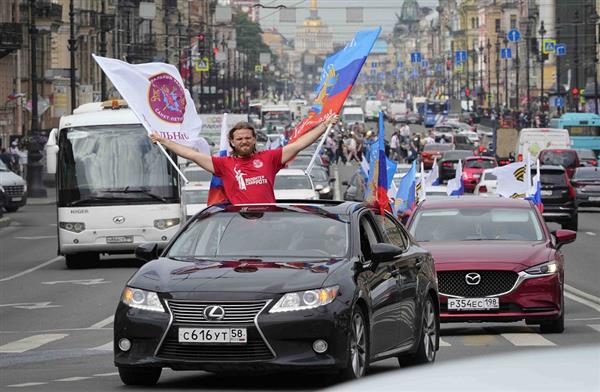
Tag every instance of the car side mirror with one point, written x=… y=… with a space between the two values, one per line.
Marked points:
x=345 y=183
x=147 y=252
x=383 y=252
x=564 y=237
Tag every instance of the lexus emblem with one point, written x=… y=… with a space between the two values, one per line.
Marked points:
x=119 y=219
x=214 y=313
x=473 y=278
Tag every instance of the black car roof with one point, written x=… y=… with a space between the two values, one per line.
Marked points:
x=321 y=207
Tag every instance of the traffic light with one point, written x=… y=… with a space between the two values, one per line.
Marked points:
x=201 y=42
x=467 y=92
x=575 y=92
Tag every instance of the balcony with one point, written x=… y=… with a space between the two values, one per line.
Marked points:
x=49 y=11
x=11 y=38
x=142 y=52
x=88 y=19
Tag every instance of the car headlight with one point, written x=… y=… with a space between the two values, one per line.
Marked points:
x=142 y=299
x=162 y=224
x=325 y=190
x=75 y=227
x=303 y=300
x=551 y=267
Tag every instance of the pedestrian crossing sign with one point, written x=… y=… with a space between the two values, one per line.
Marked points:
x=258 y=68
x=548 y=46
x=202 y=64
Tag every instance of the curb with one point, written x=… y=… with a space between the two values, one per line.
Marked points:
x=5 y=221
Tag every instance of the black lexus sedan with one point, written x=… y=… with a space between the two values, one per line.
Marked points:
x=307 y=286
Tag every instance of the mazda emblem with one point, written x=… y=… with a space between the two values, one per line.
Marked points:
x=473 y=278
x=119 y=219
x=214 y=313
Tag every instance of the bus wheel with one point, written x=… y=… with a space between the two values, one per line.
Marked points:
x=81 y=260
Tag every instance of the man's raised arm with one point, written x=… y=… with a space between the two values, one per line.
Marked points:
x=292 y=149
x=202 y=160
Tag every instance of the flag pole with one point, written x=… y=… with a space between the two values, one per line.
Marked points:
x=311 y=164
x=173 y=163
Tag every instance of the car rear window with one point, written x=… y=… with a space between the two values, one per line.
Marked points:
x=456 y=155
x=476 y=224
x=556 y=178
x=591 y=173
x=559 y=158
x=437 y=147
x=480 y=164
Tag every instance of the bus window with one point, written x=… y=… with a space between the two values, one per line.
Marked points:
x=584 y=130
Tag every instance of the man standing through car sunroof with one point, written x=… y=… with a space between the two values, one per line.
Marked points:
x=248 y=175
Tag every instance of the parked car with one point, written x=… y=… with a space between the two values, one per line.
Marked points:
x=433 y=151
x=14 y=188
x=586 y=181
x=316 y=287
x=495 y=259
x=566 y=158
x=473 y=168
x=587 y=157
x=323 y=183
x=487 y=184
x=448 y=162
x=558 y=196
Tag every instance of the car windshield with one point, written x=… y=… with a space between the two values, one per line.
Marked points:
x=479 y=163
x=198 y=175
x=591 y=173
x=562 y=158
x=195 y=196
x=263 y=234
x=474 y=224
x=292 y=182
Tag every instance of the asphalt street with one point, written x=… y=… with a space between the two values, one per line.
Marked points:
x=56 y=324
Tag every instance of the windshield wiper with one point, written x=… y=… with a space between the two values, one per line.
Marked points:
x=144 y=191
x=92 y=199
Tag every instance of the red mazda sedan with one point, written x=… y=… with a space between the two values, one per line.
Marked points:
x=495 y=260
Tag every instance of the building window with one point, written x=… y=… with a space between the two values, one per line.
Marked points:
x=497 y=25
x=513 y=22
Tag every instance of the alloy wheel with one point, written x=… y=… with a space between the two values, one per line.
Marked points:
x=429 y=331
x=358 y=346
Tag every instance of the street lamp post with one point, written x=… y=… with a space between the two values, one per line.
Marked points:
x=594 y=19
x=506 y=104
x=517 y=72
x=527 y=70
x=498 y=74
x=72 y=48
x=467 y=80
x=474 y=74
x=481 y=59
x=488 y=69
x=542 y=31
x=558 y=92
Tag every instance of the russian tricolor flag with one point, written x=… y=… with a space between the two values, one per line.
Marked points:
x=216 y=193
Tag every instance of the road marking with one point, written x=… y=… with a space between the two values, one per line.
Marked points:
x=106 y=374
x=30 y=305
x=39 y=237
x=30 y=343
x=584 y=301
x=83 y=282
x=27 y=384
x=54 y=260
x=68 y=379
x=444 y=343
x=584 y=319
x=479 y=340
x=583 y=294
x=337 y=194
x=103 y=323
x=590 y=233
x=105 y=347
x=527 y=339
x=596 y=327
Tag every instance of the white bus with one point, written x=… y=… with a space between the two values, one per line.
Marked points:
x=115 y=190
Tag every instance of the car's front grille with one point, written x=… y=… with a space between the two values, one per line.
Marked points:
x=491 y=283
x=14 y=190
x=242 y=313
x=192 y=312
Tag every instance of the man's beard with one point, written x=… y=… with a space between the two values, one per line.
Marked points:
x=251 y=151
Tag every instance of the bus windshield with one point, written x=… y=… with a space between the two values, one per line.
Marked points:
x=112 y=164
x=436 y=108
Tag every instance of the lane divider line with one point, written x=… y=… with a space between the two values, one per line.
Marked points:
x=103 y=323
x=105 y=347
x=54 y=260
x=444 y=343
x=106 y=374
x=583 y=301
x=583 y=294
x=68 y=379
x=527 y=339
x=595 y=326
x=27 y=384
x=590 y=233
x=31 y=342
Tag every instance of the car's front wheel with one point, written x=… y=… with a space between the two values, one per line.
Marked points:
x=429 y=338
x=139 y=376
x=555 y=326
x=11 y=209
x=358 y=347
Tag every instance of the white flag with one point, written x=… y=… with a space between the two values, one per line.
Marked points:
x=456 y=186
x=155 y=93
x=512 y=180
x=433 y=179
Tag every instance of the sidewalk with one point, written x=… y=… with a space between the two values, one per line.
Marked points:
x=48 y=200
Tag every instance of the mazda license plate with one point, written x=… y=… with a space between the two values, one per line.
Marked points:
x=213 y=335
x=119 y=239
x=473 y=303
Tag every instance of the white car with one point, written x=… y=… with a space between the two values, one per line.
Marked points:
x=13 y=189
x=487 y=184
x=197 y=175
x=473 y=136
x=294 y=184
x=194 y=198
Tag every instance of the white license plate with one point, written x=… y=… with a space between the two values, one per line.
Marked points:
x=594 y=198
x=213 y=335
x=119 y=239
x=476 y=175
x=16 y=198
x=473 y=303
x=546 y=193
x=454 y=165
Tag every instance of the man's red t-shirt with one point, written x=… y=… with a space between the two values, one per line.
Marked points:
x=249 y=180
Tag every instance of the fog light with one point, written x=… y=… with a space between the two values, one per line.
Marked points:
x=124 y=344
x=320 y=346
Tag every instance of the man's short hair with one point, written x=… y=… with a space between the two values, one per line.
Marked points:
x=242 y=125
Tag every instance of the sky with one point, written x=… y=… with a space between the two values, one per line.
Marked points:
x=333 y=12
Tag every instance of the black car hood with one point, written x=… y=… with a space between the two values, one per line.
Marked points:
x=167 y=275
